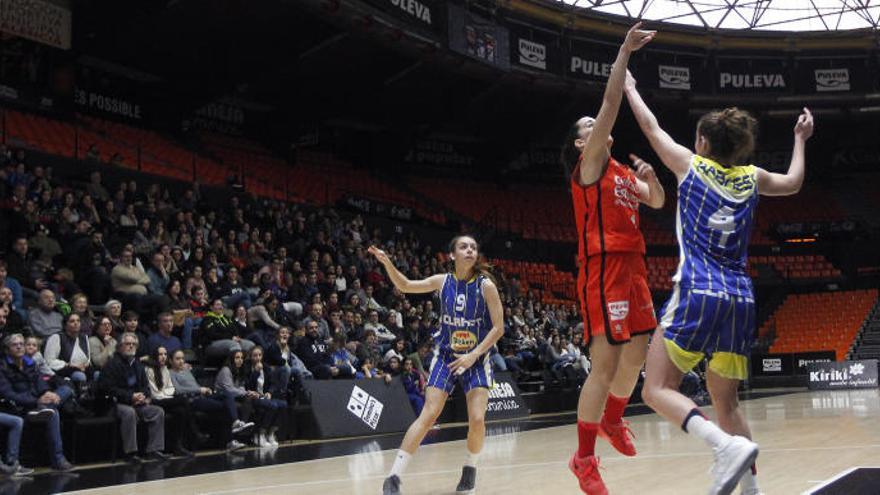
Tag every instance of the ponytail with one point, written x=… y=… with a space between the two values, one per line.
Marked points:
x=569 y=154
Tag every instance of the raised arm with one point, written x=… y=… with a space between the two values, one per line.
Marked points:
x=676 y=157
x=403 y=284
x=773 y=184
x=595 y=151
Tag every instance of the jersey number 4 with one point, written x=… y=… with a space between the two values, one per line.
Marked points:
x=723 y=222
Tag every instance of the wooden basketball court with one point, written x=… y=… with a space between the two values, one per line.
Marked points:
x=806 y=438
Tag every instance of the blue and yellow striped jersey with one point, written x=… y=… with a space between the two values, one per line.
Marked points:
x=716 y=210
x=464 y=318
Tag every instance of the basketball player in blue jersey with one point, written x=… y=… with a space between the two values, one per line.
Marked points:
x=711 y=313
x=471 y=322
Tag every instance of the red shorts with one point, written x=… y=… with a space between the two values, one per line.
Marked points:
x=614 y=296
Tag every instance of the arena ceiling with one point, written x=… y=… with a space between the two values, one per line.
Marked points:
x=763 y=15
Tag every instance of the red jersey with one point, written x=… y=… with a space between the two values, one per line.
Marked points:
x=607 y=213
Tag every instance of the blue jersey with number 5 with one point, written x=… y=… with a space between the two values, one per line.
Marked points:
x=464 y=315
x=716 y=209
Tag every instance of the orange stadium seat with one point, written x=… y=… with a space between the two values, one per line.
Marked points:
x=817 y=322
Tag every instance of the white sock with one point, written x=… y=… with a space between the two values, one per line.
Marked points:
x=749 y=481
x=400 y=463
x=706 y=430
x=472 y=459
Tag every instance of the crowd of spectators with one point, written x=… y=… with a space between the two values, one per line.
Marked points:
x=115 y=282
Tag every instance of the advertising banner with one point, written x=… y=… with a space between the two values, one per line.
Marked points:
x=424 y=13
x=535 y=50
x=843 y=375
x=478 y=37
x=505 y=399
x=589 y=61
x=746 y=76
x=359 y=407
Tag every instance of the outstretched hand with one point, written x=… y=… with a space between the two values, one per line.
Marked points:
x=637 y=37
x=804 y=127
x=644 y=170
x=379 y=254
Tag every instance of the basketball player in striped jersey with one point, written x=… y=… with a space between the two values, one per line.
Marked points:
x=711 y=313
x=471 y=322
x=616 y=305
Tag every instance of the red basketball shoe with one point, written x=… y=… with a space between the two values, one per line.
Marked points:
x=587 y=471
x=618 y=436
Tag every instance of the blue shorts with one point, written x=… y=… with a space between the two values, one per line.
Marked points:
x=478 y=375
x=700 y=323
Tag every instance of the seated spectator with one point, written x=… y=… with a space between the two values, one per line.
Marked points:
x=384 y=335
x=232 y=379
x=581 y=363
x=203 y=399
x=67 y=353
x=233 y=291
x=267 y=408
x=79 y=304
x=397 y=350
x=392 y=368
x=14 y=287
x=159 y=278
x=44 y=319
x=175 y=299
x=102 y=345
x=21 y=384
x=370 y=301
x=266 y=317
x=130 y=281
x=370 y=349
x=559 y=362
x=198 y=306
x=10 y=320
x=162 y=337
x=414 y=384
x=422 y=357
x=316 y=314
x=212 y=282
x=131 y=324
x=280 y=355
x=162 y=394
x=240 y=319
x=315 y=354
x=113 y=310
x=220 y=334
x=195 y=281
x=342 y=358
x=32 y=346
x=124 y=378
x=20 y=265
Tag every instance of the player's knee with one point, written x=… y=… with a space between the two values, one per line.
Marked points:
x=431 y=412
x=602 y=376
x=477 y=420
x=649 y=393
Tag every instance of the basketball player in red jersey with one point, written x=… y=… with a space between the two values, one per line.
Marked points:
x=612 y=282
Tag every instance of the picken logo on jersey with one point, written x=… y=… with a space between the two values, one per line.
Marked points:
x=365 y=406
x=463 y=341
